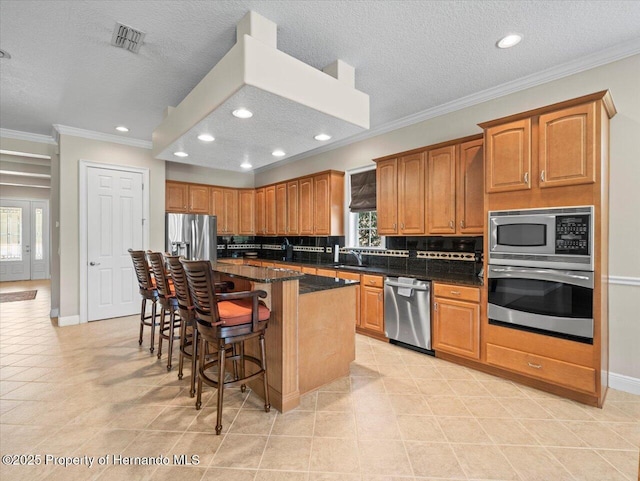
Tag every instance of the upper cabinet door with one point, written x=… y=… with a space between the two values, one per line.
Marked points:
x=198 y=199
x=567 y=147
x=231 y=210
x=322 y=205
x=470 y=191
x=508 y=156
x=281 y=209
x=260 y=214
x=411 y=195
x=387 y=196
x=216 y=197
x=270 y=210
x=176 y=197
x=292 y=208
x=441 y=190
x=246 y=214
x=305 y=203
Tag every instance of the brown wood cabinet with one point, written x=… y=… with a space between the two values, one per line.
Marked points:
x=470 y=189
x=176 y=197
x=246 y=212
x=435 y=190
x=508 y=155
x=566 y=146
x=198 y=199
x=224 y=205
x=260 y=211
x=441 y=190
x=372 y=305
x=270 y=210
x=293 y=227
x=557 y=155
x=281 y=209
x=456 y=320
x=411 y=185
x=305 y=205
x=387 y=196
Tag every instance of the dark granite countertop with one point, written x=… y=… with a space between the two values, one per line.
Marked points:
x=257 y=274
x=459 y=279
x=310 y=283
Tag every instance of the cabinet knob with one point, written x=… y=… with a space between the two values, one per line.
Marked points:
x=542 y=176
x=526 y=177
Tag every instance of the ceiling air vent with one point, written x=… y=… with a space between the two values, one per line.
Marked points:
x=127 y=37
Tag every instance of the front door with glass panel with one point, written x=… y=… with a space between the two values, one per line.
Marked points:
x=15 y=240
x=24 y=240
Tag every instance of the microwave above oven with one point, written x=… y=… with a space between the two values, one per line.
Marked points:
x=560 y=238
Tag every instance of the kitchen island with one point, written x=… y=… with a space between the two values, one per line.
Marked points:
x=311 y=335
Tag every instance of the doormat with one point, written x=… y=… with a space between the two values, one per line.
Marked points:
x=17 y=296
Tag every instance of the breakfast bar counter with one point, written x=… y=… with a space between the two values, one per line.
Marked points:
x=311 y=335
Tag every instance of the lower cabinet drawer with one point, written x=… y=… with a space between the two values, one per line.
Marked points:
x=558 y=372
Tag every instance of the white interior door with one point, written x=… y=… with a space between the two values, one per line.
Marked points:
x=114 y=224
x=15 y=247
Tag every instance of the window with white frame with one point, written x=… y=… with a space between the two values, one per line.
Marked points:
x=362 y=217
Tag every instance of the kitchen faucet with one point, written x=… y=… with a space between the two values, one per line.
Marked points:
x=357 y=255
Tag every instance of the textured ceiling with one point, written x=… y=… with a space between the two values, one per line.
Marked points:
x=409 y=56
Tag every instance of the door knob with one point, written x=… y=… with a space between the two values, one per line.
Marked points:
x=94 y=263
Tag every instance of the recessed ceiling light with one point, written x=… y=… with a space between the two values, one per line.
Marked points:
x=122 y=128
x=509 y=41
x=181 y=154
x=278 y=153
x=322 y=137
x=4 y=54
x=206 y=137
x=242 y=113
x=246 y=165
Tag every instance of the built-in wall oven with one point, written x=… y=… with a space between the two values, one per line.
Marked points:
x=540 y=272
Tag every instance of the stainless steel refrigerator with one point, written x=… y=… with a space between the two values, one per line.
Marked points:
x=192 y=236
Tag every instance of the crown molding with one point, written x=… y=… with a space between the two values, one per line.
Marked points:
x=18 y=135
x=597 y=59
x=93 y=135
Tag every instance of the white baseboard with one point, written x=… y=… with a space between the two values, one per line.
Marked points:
x=68 y=321
x=624 y=383
x=55 y=312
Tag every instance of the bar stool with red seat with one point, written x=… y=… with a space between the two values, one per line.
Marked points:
x=168 y=304
x=226 y=321
x=148 y=292
x=188 y=331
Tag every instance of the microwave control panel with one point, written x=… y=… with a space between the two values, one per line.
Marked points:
x=572 y=234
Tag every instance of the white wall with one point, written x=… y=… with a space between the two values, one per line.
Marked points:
x=72 y=150
x=622 y=78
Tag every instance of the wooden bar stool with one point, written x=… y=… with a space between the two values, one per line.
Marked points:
x=226 y=321
x=188 y=331
x=148 y=292
x=168 y=305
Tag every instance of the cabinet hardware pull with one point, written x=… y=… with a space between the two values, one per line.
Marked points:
x=372 y=282
x=462 y=223
x=526 y=177
x=451 y=224
x=535 y=366
x=394 y=226
x=542 y=176
x=402 y=225
x=435 y=306
x=455 y=293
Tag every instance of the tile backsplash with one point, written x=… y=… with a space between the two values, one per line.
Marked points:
x=451 y=255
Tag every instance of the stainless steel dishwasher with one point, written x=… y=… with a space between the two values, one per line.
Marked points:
x=407 y=312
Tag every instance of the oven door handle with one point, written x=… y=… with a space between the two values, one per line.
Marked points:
x=584 y=279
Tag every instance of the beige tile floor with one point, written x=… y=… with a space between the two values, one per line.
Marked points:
x=90 y=390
